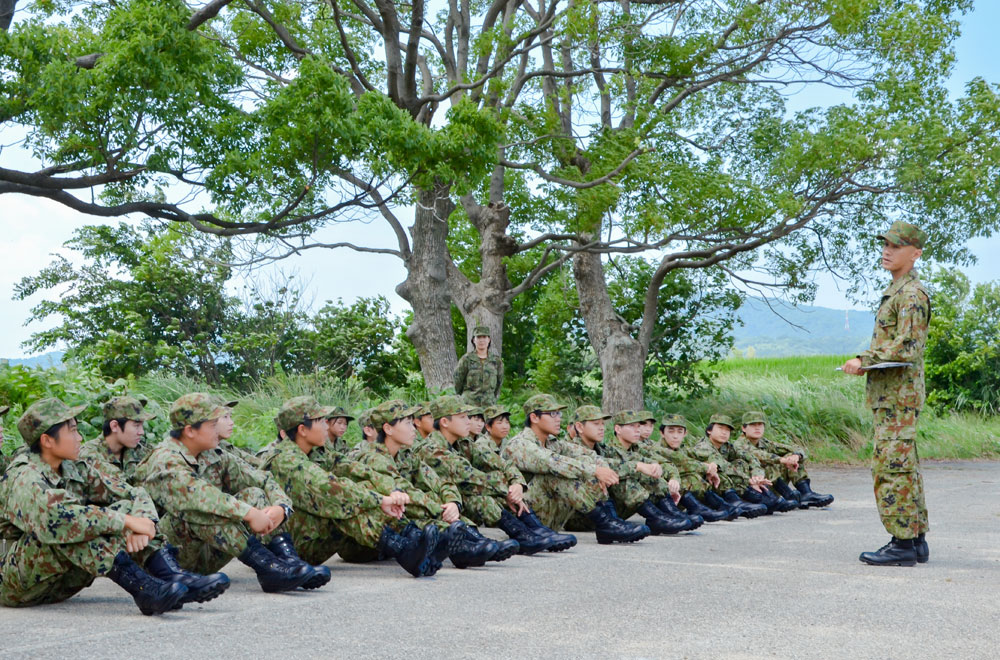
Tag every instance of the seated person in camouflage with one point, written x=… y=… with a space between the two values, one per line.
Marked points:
x=432 y=498
x=225 y=426
x=479 y=373
x=328 y=508
x=337 y=424
x=122 y=445
x=70 y=522
x=216 y=506
x=368 y=432
x=483 y=453
x=695 y=476
x=563 y=478
x=642 y=487
x=477 y=422
x=783 y=463
x=423 y=420
x=741 y=477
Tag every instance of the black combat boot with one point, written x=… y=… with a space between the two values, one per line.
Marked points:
x=753 y=497
x=696 y=508
x=809 y=498
x=281 y=546
x=897 y=552
x=791 y=494
x=559 y=540
x=274 y=573
x=473 y=549
x=414 y=554
x=746 y=509
x=612 y=529
x=667 y=505
x=774 y=502
x=714 y=500
x=151 y=594
x=922 y=549
x=200 y=588
x=530 y=541
x=659 y=522
x=448 y=542
x=505 y=549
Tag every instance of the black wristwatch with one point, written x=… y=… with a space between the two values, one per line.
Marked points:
x=288 y=511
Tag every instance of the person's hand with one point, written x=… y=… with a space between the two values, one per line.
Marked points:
x=450 y=513
x=852 y=367
x=654 y=470
x=791 y=461
x=258 y=521
x=675 y=490
x=135 y=542
x=713 y=468
x=606 y=476
x=139 y=525
x=391 y=506
x=758 y=483
x=713 y=479
x=275 y=514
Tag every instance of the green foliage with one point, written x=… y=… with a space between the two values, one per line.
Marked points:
x=963 y=344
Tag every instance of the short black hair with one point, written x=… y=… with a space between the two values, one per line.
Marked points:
x=52 y=432
x=437 y=427
x=527 y=418
x=380 y=434
x=122 y=421
x=176 y=433
x=490 y=423
x=479 y=415
x=294 y=431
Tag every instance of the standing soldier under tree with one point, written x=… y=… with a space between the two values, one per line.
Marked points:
x=895 y=396
x=479 y=374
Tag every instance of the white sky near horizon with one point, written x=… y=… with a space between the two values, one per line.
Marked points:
x=33 y=229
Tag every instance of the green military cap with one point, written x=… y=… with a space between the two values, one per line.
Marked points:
x=480 y=331
x=903 y=233
x=542 y=403
x=647 y=416
x=589 y=414
x=126 y=407
x=492 y=412
x=4 y=410
x=43 y=415
x=193 y=408
x=387 y=411
x=338 y=411
x=423 y=408
x=629 y=417
x=754 y=417
x=675 y=420
x=298 y=409
x=228 y=404
x=719 y=418
x=451 y=404
x=365 y=417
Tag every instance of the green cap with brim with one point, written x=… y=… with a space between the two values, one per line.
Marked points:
x=629 y=417
x=589 y=414
x=451 y=404
x=719 y=418
x=541 y=403
x=389 y=411
x=754 y=417
x=43 y=415
x=675 y=420
x=339 y=411
x=480 y=331
x=423 y=408
x=903 y=233
x=193 y=408
x=126 y=407
x=297 y=410
x=365 y=417
x=647 y=416
x=492 y=412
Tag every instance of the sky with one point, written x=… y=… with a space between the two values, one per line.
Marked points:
x=34 y=229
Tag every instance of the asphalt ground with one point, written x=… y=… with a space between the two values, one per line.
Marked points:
x=788 y=585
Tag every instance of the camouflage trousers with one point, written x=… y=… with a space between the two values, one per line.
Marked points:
x=899 y=486
x=317 y=539
x=555 y=499
x=775 y=471
x=355 y=552
x=206 y=541
x=36 y=573
x=628 y=495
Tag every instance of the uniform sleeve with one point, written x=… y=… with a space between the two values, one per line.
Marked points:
x=461 y=371
x=455 y=469
x=56 y=516
x=486 y=459
x=107 y=485
x=174 y=485
x=316 y=491
x=907 y=342
x=531 y=457
x=499 y=377
x=244 y=475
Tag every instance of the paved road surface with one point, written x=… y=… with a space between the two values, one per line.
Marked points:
x=788 y=585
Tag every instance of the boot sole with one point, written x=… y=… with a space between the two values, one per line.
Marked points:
x=208 y=595
x=317 y=581
x=174 y=603
x=911 y=562
x=632 y=539
x=559 y=547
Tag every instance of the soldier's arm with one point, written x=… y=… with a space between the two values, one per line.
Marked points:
x=531 y=457
x=244 y=475
x=56 y=516
x=499 y=377
x=316 y=491
x=461 y=371
x=174 y=485
x=107 y=485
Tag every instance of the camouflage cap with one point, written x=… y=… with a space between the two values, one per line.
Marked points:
x=451 y=404
x=339 y=411
x=675 y=420
x=480 y=331
x=492 y=412
x=589 y=414
x=298 y=409
x=629 y=417
x=903 y=233
x=754 y=417
x=719 y=418
x=126 y=407
x=228 y=404
x=4 y=410
x=541 y=403
x=647 y=416
x=193 y=408
x=365 y=418
x=387 y=411
x=43 y=415
x=423 y=408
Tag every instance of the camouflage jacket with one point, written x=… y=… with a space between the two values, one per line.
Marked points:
x=314 y=490
x=900 y=336
x=419 y=481
x=479 y=380
x=97 y=452
x=557 y=457
x=76 y=504
x=484 y=454
x=729 y=458
x=680 y=458
x=341 y=465
x=241 y=452
x=453 y=467
x=768 y=452
x=180 y=482
x=625 y=461
x=646 y=453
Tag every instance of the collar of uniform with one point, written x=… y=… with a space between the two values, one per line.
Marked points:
x=528 y=434
x=895 y=286
x=187 y=455
x=104 y=450
x=437 y=440
x=70 y=471
x=45 y=470
x=380 y=448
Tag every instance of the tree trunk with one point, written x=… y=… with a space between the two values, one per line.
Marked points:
x=621 y=355
x=426 y=288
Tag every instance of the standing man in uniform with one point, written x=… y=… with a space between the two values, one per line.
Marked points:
x=479 y=374
x=896 y=396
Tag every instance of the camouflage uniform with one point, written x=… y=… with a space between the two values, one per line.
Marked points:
x=770 y=452
x=479 y=379
x=736 y=466
x=340 y=444
x=66 y=527
x=97 y=451
x=560 y=475
x=896 y=395
x=4 y=458
x=204 y=498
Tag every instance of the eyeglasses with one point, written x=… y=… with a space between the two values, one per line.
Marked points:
x=553 y=413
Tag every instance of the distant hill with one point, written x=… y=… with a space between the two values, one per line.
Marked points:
x=822 y=331
x=51 y=359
